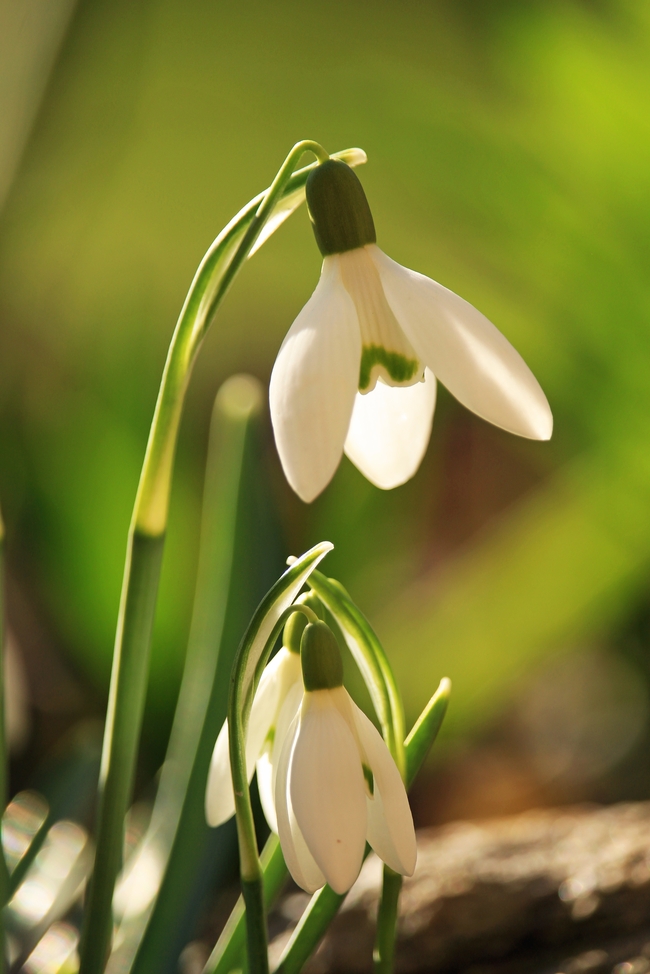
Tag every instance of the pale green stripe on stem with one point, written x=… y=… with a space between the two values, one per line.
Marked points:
x=178 y=833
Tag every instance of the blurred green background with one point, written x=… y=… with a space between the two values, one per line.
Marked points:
x=509 y=158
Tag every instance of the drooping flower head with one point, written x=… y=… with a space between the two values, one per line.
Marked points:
x=357 y=370
x=275 y=704
x=337 y=785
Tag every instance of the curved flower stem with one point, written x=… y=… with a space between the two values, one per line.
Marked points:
x=246 y=673
x=146 y=541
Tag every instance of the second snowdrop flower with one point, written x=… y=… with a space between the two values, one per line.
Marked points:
x=337 y=785
x=275 y=704
x=357 y=370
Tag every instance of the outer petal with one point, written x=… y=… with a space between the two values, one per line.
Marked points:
x=313 y=385
x=390 y=429
x=465 y=351
x=299 y=860
x=390 y=823
x=327 y=790
x=219 y=798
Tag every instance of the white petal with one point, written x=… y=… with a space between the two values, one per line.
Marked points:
x=390 y=823
x=280 y=213
x=465 y=351
x=299 y=860
x=313 y=385
x=327 y=790
x=289 y=672
x=268 y=760
x=390 y=429
x=265 y=786
x=219 y=797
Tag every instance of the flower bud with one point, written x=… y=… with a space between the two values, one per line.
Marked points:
x=338 y=209
x=298 y=620
x=322 y=666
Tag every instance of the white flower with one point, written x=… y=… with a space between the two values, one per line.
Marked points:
x=337 y=785
x=357 y=370
x=275 y=704
x=325 y=810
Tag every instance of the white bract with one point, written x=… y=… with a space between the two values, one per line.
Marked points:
x=357 y=370
x=275 y=704
x=337 y=787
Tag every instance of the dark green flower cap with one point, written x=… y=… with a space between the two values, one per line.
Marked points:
x=298 y=620
x=322 y=666
x=338 y=209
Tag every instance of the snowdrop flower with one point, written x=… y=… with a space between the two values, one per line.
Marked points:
x=275 y=704
x=337 y=785
x=357 y=370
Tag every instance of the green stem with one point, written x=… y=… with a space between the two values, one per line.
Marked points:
x=256 y=933
x=4 y=872
x=35 y=846
x=226 y=594
x=247 y=670
x=427 y=726
x=384 y=951
x=122 y=733
x=145 y=544
x=325 y=904
x=228 y=952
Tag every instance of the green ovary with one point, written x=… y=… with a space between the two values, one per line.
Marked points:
x=400 y=368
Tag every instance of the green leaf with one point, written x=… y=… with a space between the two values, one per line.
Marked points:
x=236 y=564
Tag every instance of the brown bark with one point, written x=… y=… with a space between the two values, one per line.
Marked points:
x=561 y=890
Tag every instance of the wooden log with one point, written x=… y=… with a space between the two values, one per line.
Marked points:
x=556 y=891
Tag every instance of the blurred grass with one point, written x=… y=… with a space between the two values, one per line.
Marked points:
x=509 y=151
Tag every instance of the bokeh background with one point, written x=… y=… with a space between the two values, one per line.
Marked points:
x=509 y=158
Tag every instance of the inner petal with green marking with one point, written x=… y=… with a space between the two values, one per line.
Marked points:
x=387 y=354
x=393 y=368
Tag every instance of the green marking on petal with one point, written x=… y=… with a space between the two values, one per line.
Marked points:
x=399 y=367
x=370 y=780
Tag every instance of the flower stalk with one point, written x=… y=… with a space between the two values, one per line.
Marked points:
x=247 y=669
x=146 y=539
x=384 y=952
x=229 y=950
